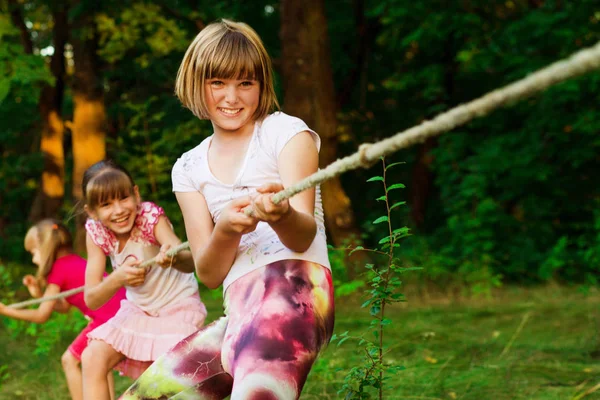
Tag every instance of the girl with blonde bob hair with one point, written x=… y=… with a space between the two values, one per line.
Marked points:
x=59 y=270
x=273 y=264
x=230 y=50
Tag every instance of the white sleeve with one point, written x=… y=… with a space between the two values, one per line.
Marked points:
x=280 y=128
x=179 y=177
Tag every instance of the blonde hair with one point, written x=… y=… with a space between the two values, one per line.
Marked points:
x=104 y=181
x=48 y=236
x=226 y=50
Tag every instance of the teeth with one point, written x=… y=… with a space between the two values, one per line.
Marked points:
x=118 y=221
x=230 y=112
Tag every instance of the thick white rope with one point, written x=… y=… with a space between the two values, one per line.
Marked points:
x=578 y=64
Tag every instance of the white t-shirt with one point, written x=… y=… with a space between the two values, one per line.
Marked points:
x=191 y=173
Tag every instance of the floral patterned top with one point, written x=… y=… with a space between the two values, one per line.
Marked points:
x=162 y=286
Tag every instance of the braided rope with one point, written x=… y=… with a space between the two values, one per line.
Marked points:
x=577 y=64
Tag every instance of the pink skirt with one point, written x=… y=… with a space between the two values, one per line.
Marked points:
x=142 y=337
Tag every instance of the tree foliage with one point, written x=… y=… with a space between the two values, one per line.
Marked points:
x=513 y=194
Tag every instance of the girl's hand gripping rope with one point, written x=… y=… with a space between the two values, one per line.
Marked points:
x=33 y=286
x=263 y=207
x=129 y=274
x=233 y=221
x=162 y=259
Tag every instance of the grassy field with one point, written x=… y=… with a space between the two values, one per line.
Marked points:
x=522 y=344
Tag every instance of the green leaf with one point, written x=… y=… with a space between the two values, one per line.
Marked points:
x=382 y=198
x=380 y=219
x=395 y=186
x=375 y=178
x=394 y=164
x=384 y=240
x=373 y=352
x=357 y=248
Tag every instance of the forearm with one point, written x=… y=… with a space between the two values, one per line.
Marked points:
x=35 y=316
x=98 y=295
x=296 y=230
x=184 y=261
x=214 y=261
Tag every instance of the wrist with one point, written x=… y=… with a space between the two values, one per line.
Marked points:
x=114 y=280
x=283 y=218
x=223 y=233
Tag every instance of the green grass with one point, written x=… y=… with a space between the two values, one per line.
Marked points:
x=472 y=349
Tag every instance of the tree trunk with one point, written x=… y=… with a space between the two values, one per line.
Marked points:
x=88 y=128
x=17 y=19
x=422 y=175
x=309 y=94
x=51 y=194
x=366 y=32
x=422 y=182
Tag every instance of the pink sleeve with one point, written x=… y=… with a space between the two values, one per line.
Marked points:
x=58 y=275
x=100 y=235
x=147 y=220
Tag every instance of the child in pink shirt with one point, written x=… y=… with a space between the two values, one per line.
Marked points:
x=68 y=272
x=59 y=270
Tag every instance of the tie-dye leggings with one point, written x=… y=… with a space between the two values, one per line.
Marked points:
x=278 y=318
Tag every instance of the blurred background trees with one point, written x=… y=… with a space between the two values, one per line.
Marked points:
x=512 y=197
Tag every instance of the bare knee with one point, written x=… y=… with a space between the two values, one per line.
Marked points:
x=69 y=361
x=95 y=358
x=87 y=359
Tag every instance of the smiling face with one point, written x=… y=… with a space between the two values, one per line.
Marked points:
x=223 y=54
x=232 y=104
x=113 y=200
x=118 y=213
